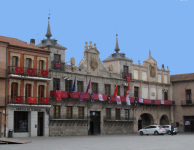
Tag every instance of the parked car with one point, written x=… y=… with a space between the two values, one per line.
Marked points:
x=152 y=129
x=168 y=129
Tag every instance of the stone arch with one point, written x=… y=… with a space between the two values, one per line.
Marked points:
x=164 y=120
x=144 y=120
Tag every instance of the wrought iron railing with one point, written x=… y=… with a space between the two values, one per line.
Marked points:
x=67 y=117
x=124 y=75
x=120 y=118
x=28 y=72
x=25 y=100
x=58 y=66
x=187 y=102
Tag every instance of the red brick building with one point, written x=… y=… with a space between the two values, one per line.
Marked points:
x=27 y=86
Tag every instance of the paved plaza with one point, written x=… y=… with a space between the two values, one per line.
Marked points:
x=182 y=141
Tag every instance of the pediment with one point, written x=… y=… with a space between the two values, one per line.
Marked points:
x=94 y=51
x=150 y=60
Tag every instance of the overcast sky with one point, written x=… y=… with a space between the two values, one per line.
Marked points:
x=163 y=26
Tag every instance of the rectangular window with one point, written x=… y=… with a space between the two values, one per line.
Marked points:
x=28 y=63
x=117 y=114
x=126 y=114
x=125 y=70
x=81 y=112
x=68 y=85
x=95 y=88
x=80 y=86
x=107 y=89
x=125 y=90
x=14 y=90
x=177 y=124
x=118 y=88
x=136 y=91
x=188 y=94
x=41 y=65
x=20 y=121
x=166 y=95
x=14 y=61
x=56 y=111
x=40 y=92
x=28 y=91
x=56 y=84
x=68 y=112
x=108 y=113
x=57 y=58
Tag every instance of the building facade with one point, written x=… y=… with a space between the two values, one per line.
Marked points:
x=183 y=87
x=27 y=93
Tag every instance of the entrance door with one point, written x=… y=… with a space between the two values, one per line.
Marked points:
x=139 y=124
x=40 y=123
x=94 y=122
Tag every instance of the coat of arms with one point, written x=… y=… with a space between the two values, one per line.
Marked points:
x=93 y=63
x=152 y=71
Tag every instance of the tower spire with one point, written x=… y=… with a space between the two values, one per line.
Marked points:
x=48 y=33
x=117 y=45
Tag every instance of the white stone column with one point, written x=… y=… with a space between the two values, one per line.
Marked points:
x=33 y=121
x=46 y=125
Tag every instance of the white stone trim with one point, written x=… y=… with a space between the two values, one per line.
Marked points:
x=17 y=55
x=28 y=56
x=10 y=82
x=41 y=58
x=28 y=82
x=45 y=87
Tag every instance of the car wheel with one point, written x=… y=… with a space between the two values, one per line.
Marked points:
x=156 y=133
x=147 y=134
x=169 y=133
x=141 y=133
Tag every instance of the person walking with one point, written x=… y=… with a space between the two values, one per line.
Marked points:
x=172 y=128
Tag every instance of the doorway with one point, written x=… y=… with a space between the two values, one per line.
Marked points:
x=40 y=123
x=94 y=122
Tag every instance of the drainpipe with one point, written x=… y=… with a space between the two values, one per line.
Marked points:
x=5 y=92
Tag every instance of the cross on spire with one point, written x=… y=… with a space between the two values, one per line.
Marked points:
x=48 y=33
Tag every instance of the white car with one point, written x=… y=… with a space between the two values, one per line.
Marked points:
x=152 y=129
x=168 y=129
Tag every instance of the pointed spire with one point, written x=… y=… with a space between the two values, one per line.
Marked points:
x=117 y=45
x=48 y=33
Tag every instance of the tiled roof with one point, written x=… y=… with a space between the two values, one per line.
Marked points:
x=181 y=77
x=16 y=42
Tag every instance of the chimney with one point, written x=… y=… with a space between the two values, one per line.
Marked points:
x=32 y=42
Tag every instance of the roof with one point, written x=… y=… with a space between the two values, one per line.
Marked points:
x=117 y=56
x=16 y=42
x=182 y=77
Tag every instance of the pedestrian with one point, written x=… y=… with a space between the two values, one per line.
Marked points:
x=172 y=128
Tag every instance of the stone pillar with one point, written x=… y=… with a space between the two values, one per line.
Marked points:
x=33 y=121
x=46 y=125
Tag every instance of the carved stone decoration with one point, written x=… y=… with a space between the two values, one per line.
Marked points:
x=93 y=62
x=152 y=71
x=72 y=61
x=110 y=68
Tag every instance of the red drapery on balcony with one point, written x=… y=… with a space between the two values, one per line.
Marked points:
x=32 y=100
x=44 y=73
x=30 y=71
x=45 y=100
x=58 y=64
x=18 y=99
x=58 y=95
x=19 y=70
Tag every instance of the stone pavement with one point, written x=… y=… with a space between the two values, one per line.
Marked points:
x=182 y=141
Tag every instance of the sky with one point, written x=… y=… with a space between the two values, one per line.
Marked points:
x=165 y=27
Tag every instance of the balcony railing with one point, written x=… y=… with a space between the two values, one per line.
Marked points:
x=27 y=100
x=28 y=72
x=124 y=75
x=64 y=117
x=58 y=66
x=187 y=103
x=120 y=118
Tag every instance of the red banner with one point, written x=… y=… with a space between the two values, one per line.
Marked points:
x=128 y=77
x=18 y=99
x=45 y=100
x=44 y=73
x=19 y=70
x=32 y=100
x=58 y=64
x=58 y=95
x=30 y=71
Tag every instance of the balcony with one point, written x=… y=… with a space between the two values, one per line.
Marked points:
x=187 y=103
x=28 y=72
x=28 y=100
x=64 y=117
x=119 y=119
x=124 y=75
x=58 y=66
